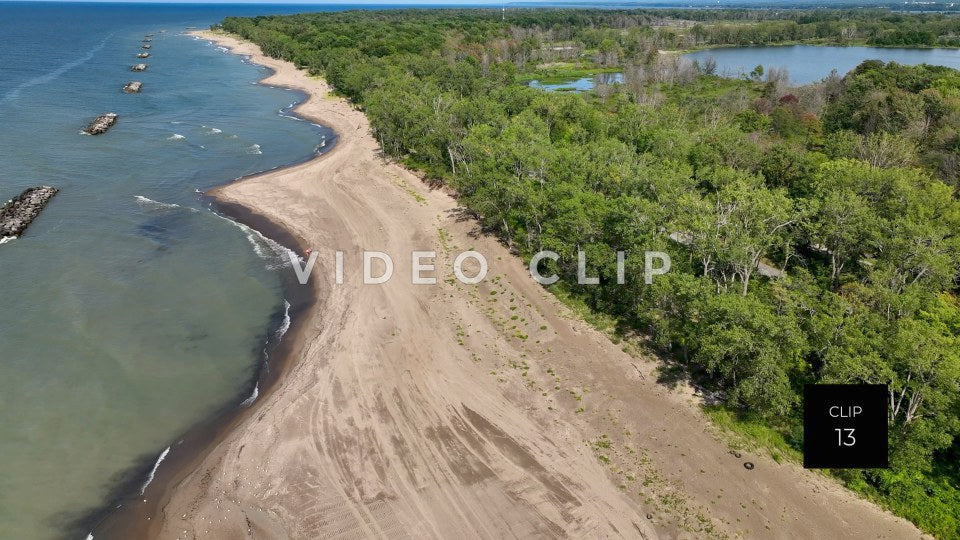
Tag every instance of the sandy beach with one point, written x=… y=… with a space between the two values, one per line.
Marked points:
x=463 y=411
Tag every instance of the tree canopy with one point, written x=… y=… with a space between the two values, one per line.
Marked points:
x=813 y=230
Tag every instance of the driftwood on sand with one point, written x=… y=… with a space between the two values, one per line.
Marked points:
x=19 y=212
x=143 y=55
x=139 y=67
x=101 y=124
x=133 y=87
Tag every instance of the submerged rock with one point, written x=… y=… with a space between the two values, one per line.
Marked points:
x=19 y=212
x=143 y=55
x=139 y=67
x=145 y=46
x=133 y=87
x=101 y=124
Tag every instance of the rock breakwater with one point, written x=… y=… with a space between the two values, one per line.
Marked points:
x=18 y=213
x=101 y=124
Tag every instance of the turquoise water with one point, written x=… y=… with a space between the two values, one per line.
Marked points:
x=130 y=310
x=807 y=63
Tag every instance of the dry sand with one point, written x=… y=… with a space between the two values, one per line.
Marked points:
x=455 y=411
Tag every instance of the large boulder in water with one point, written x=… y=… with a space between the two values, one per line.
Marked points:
x=101 y=124
x=19 y=212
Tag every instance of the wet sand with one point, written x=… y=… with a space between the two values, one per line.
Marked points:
x=455 y=410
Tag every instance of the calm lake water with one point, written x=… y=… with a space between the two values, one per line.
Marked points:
x=130 y=310
x=808 y=63
x=583 y=84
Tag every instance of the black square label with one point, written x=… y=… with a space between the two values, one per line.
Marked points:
x=845 y=426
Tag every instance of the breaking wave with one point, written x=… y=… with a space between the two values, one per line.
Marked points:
x=254 y=149
x=285 y=325
x=5 y=239
x=176 y=137
x=276 y=255
x=319 y=148
x=253 y=397
x=146 y=202
x=153 y=471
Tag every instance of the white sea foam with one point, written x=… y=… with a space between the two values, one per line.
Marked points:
x=144 y=201
x=90 y=536
x=253 y=397
x=254 y=149
x=151 y=204
x=214 y=131
x=153 y=471
x=285 y=325
x=268 y=249
x=5 y=239
x=176 y=137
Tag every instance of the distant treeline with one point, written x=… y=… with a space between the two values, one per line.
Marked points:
x=698 y=27
x=813 y=231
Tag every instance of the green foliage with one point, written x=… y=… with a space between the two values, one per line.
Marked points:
x=803 y=250
x=905 y=115
x=782 y=439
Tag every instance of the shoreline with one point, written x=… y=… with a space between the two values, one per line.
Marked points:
x=128 y=508
x=403 y=409
x=139 y=496
x=808 y=44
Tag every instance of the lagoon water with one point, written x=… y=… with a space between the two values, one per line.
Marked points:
x=583 y=84
x=130 y=310
x=808 y=63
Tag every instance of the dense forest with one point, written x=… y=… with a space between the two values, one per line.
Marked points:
x=813 y=229
x=712 y=27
